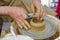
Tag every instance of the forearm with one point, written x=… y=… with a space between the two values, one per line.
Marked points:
x=4 y=10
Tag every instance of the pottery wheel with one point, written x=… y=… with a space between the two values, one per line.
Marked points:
x=49 y=31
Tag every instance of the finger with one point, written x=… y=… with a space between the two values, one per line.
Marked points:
x=23 y=24
x=41 y=12
x=38 y=11
x=43 y=15
x=23 y=16
x=37 y=15
x=23 y=13
x=19 y=24
x=38 y=6
x=26 y=23
x=32 y=7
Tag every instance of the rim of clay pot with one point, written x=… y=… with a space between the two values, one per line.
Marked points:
x=39 y=24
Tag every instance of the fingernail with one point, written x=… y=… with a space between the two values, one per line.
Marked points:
x=26 y=28
x=20 y=27
x=41 y=19
x=29 y=27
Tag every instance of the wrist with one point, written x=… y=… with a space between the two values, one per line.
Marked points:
x=4 y=10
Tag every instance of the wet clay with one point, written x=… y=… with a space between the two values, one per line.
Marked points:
x=37 y=25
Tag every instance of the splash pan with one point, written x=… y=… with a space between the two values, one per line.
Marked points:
x=49 y=31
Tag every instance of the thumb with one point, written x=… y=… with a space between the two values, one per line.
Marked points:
x=32 y=7
x=43 y=15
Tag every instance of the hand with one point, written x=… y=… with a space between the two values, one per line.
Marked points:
x=38 y=9
x=19 y=16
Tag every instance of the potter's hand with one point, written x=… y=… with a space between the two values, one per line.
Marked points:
x=17 y=13
x=37 y=8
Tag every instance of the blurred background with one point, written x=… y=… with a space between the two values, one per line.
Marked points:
x=50 y=4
